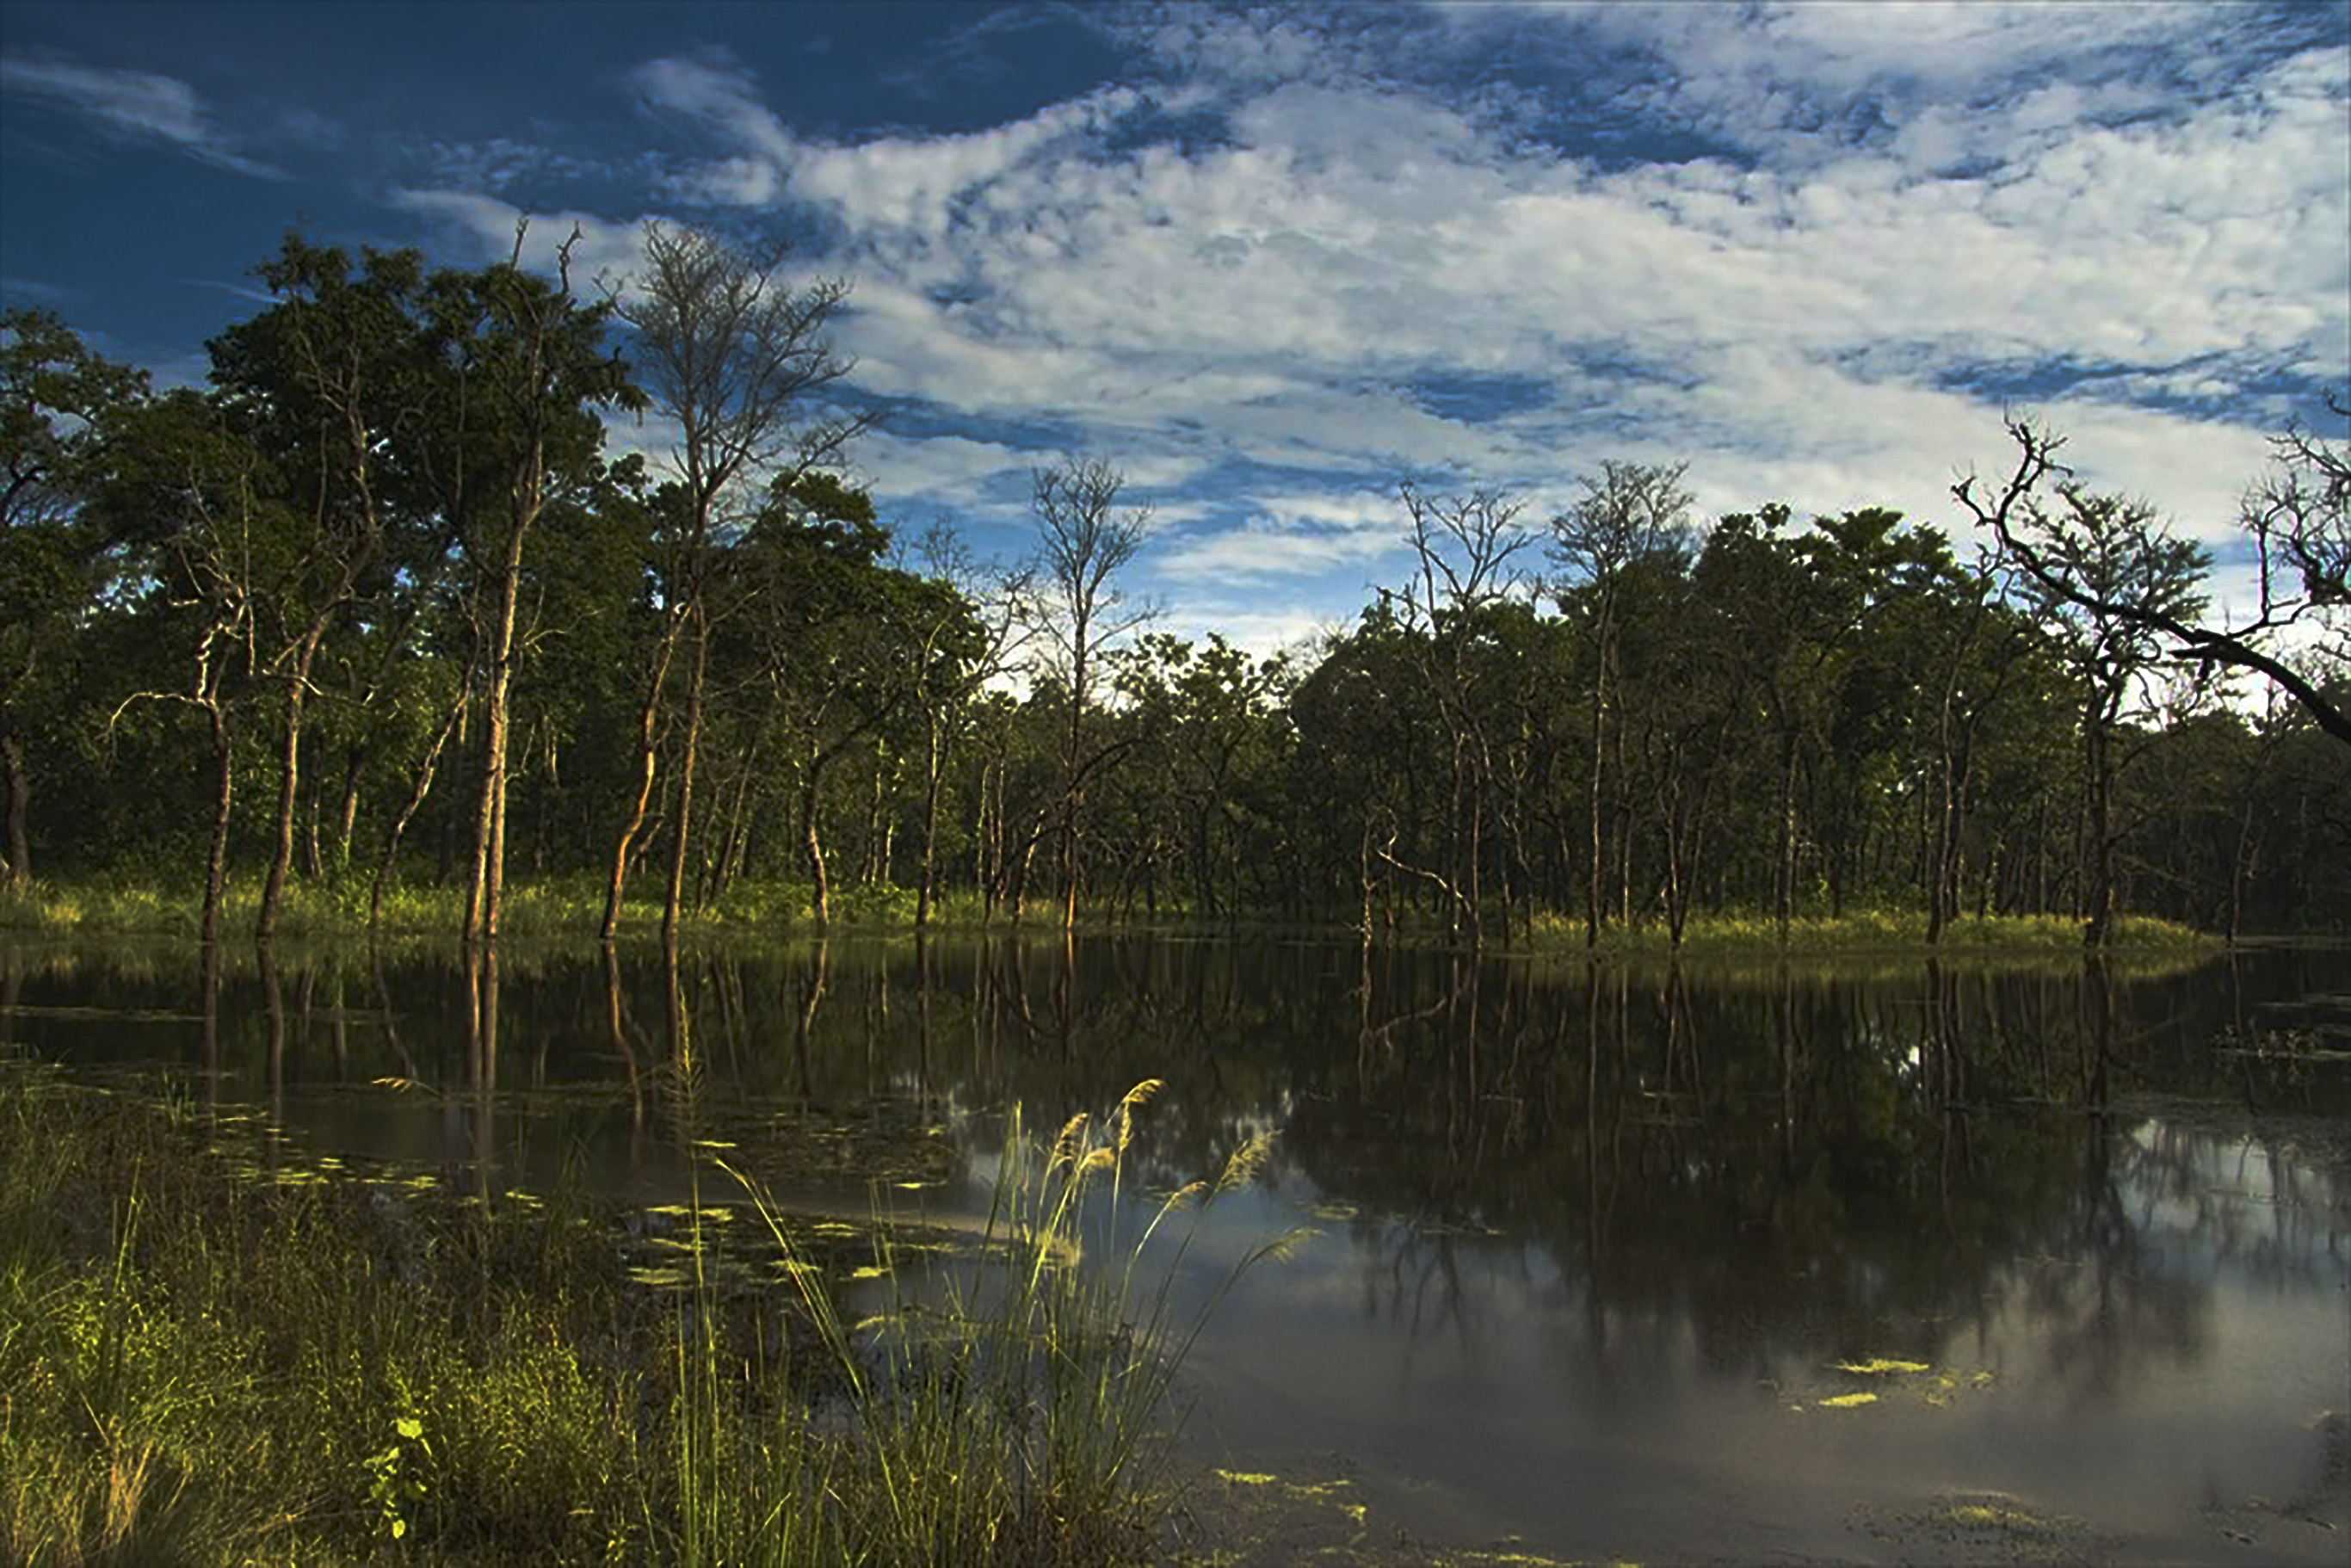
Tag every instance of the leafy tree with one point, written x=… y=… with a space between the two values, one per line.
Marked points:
x=1631 y=515
x=1205 y=718
x=329 y=383
x=736 y=358
x=57 y=403
x=206 y=506
x=527 y=369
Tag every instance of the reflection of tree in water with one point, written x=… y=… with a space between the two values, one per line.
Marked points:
x=1764 y=1158
x=1770 y=1162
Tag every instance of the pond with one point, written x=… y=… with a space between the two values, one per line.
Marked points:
x=1880 y=1261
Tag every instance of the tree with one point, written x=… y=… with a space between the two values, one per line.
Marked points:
x=2297 y=523
x=1631 y=513
x=845 y=646
x=328 y=382
x=529 y=366
x=202 y=502
x=57 y=401
x=991 y=601
x=734 y=358
x=1463 y=547
x=2114 y=585
x=1204 y=716
x=1084 y=541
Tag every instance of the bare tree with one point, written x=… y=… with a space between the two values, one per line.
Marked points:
x=1084 y=541
x=1465 y=550
x=998 y=596
x=2297 y=520
x=2113 y=583
x=736 y=357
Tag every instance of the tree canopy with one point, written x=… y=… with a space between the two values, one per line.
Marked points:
x=383 y=594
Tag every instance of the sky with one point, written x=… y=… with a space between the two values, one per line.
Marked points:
x=1274 y=261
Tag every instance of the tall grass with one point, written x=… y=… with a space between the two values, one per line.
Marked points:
x=199 y=1363
x=1029 y=1378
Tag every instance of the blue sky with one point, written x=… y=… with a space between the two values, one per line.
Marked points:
x=1272 y=261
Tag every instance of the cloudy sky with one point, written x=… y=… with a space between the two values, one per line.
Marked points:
x=1271 y=262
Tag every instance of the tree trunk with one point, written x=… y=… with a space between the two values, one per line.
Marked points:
x=812 y=845
x=648 y=714
x=933 y=763
x=1784 y=877
x=408 y=810
x=289 y=772
x=681 y=830
x=2099 y=895
x=486 y=888
x=16 y=869
x=223 y=795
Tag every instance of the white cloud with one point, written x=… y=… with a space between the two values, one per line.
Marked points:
x=1928 y=199
x=135 y=104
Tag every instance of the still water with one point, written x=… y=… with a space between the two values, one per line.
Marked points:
x=1878 y=1262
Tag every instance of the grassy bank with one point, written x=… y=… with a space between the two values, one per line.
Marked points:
x=575 y=909
x=1873 y=932
x=206 y=1362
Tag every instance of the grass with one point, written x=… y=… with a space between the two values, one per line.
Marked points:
x=1870 y=931
x=206 y=1361
x=574 y=907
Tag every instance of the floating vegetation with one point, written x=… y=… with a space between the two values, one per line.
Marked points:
x=1880 y=1367
x=1893 y=1377
x=1988 y=1526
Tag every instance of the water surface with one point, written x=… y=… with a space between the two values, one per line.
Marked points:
x=1604 y=1257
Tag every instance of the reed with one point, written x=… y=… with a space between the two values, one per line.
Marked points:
x=1007 y=1405
x=213 y=1354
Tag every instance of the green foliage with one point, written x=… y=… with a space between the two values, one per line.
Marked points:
x=396 y=1481
x=377 y=601
x=214 y=1363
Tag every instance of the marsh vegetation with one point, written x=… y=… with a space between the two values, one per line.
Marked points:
x=216 y=1354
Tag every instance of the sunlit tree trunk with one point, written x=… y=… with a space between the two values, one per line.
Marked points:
x=624 y=844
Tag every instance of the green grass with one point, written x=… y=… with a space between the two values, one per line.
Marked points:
x=574 y=907
x=1867 y=931
x=206 y=1360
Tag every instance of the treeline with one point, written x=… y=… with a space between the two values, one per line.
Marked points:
x=379 y=608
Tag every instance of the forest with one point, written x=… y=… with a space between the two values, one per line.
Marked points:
x=377 y=610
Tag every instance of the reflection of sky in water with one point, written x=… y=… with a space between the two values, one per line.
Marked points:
x=2184 y=1365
